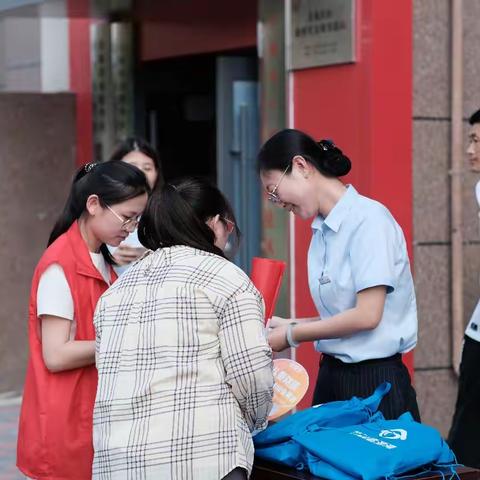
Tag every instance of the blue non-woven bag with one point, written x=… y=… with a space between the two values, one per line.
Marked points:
x=275 y=443
x=379 y=449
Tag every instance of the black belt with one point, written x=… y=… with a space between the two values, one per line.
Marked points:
x=333 y=361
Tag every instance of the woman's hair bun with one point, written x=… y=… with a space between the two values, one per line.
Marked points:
x=332 y=160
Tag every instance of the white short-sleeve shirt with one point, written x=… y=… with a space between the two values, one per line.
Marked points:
x=54 y=296
x=473 y=327
x=357 y=246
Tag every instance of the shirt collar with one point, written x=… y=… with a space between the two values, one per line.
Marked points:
x=338 y=213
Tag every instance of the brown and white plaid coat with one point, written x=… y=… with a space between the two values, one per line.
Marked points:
x=185 y=371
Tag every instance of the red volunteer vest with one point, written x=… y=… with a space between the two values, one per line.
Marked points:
x=55 y=430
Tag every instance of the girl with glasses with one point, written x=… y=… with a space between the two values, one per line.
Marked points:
x=55 y=430
x=358 y=271
x=185 y=370
x=141 y=154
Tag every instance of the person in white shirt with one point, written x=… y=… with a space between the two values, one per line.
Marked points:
x=464 y=436
x=138 y=152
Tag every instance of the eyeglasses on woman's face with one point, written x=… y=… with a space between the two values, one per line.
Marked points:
x=272 y=195
x=128 y=224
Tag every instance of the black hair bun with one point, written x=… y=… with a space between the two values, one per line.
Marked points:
x=333 y=162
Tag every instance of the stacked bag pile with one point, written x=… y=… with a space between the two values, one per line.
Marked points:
x=350 y=439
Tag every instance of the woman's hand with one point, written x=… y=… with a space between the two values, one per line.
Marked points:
x=275 y=322
x=126 y=254
x=277 y=337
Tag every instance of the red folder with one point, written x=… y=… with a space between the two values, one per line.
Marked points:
x=267 y=276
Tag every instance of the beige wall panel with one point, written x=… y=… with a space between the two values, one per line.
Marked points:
x=37 y=136
x=431 y=181
x=431 y=53
x=471 y=63
x=436 y=393
x=432 y=280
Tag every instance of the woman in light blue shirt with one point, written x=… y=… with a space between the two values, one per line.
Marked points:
x=359 y=275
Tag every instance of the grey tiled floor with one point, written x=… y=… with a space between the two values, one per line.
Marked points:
x=9 y=410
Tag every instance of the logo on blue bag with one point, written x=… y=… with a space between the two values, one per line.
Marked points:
x=394 y=434
x=375 y=441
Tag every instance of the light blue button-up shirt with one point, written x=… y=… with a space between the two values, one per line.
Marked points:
x=357 y=246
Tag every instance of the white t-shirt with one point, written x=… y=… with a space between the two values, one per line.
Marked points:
x=54 y=296
x=473 y=327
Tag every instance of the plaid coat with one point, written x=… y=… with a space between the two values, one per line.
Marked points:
x=185 y=371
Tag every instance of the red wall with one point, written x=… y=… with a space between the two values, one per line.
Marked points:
x=366 y=108
x=171 y=28
x=81 y=76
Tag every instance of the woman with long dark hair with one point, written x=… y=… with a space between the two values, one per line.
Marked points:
x=185 y=371
x=138 y=152
x=358 y=270
x=55 y=431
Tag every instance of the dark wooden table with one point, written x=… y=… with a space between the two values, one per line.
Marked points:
x=270 y=471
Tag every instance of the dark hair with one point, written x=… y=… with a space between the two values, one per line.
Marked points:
x=475 y=118
x=138 y=144
x=278 y=152
x=177 y=215
x=113 y=182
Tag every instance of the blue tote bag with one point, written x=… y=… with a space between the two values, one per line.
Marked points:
x=379 y=449
x=275 y=443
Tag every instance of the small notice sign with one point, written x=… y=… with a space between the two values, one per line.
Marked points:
x=291 y=384
x=322 y=33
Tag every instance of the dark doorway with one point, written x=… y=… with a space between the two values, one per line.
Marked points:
x=201 y=113
x=178 y=114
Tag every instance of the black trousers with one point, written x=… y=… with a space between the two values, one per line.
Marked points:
x=236 y=474
x=341 y=381
x=464 y=437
